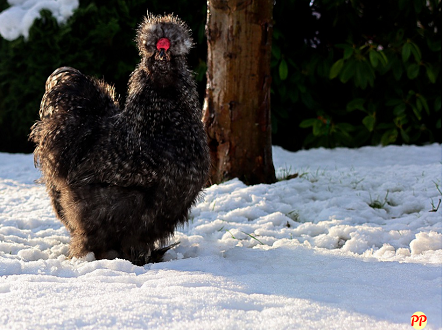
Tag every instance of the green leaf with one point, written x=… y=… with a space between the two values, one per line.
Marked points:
x=336 y=68
x=355 y=104
x=307 y=123
x=283 y=70
x=432 y=75
x=323 y=69
x=317 y=129
x=361 y=78
x=348 y=53
x=411 y=93
x=373 y=58
x=399 y=109
x=416 y=111
x=416 y=52
x=301 y=87
x=424 y=103
x=401 y=120
x=348 y=71
x=405 y=136
x=412 y=70
x=369 y=73
x=348 y=50
x=406 y=51
x=389 y=136
x=369 y=122
x=382 y=57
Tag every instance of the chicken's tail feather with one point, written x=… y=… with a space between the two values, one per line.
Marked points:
x=73 y=110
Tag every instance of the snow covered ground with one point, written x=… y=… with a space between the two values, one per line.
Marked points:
x=350 y=243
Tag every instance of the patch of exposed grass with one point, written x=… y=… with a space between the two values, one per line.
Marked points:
x=377 y=203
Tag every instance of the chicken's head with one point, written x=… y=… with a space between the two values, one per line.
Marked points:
x=163 y=38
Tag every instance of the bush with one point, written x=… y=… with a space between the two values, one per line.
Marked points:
x=345 y=73
x=352 y=73
x=98 y=40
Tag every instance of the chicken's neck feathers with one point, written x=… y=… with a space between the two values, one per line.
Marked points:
x=150 y=108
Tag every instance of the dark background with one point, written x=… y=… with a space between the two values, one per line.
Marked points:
x=344 y=73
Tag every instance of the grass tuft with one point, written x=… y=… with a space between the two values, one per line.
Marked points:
x=377 y=204
x=287 y=174
x=435 y=209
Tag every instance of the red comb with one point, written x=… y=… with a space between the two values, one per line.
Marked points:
x=163 y=43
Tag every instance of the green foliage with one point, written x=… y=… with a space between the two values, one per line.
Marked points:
x=344 y=73
x=98 y=40
x=360 y=72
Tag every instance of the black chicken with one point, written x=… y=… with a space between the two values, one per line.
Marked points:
x=122 y=179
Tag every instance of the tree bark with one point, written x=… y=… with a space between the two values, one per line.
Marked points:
x=237 y=113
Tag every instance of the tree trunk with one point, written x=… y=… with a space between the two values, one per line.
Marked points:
x=237 y=112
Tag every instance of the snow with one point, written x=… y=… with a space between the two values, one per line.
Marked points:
x=19 y=17
x=305 y=253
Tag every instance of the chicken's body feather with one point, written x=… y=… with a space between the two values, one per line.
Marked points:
x=121 y=179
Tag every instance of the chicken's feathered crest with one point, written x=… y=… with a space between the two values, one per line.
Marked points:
x=155 y=27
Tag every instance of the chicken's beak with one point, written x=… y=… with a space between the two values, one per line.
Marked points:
x=162 y=55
